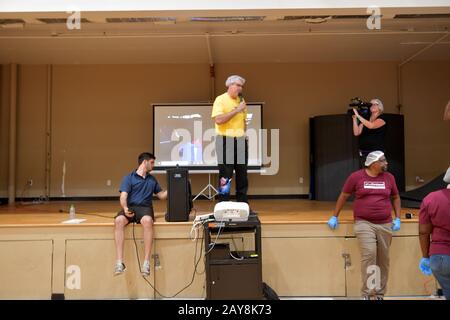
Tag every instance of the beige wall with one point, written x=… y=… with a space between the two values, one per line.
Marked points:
x=426 y=93
x=4 y=129
x=295 y=92
x=102 y=118
x=31 y=119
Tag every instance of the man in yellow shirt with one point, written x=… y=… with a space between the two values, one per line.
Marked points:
x=229 y=113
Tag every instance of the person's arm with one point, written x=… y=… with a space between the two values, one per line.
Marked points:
x=159 y=192
x=347 y=190
x=447 y=112
x=397 y=205
x=162 y=195
x=357 y=128
x=370 y=125
x=424 y=238
x=378 y=123
x=124 y=204
x=340 y=203
x=222 y=118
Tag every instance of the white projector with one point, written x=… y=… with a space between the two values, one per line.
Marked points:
x=231 y=211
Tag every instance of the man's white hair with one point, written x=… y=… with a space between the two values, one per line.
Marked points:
x=379 y=104
x=233 y=79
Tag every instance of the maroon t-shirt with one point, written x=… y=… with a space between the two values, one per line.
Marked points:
x=372 y=196
x=435 y=209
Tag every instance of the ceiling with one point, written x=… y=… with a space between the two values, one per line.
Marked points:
x=258 y=36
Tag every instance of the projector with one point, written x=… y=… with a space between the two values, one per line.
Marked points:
x=231 y=211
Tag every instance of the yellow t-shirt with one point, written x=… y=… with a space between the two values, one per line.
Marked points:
x=235 y=127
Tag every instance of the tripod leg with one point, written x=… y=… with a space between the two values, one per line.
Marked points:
x=208 y=187
x=201 y=193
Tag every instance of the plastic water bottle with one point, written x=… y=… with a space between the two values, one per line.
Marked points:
x=72 y=212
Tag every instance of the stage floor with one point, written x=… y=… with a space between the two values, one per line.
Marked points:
x=100 y=213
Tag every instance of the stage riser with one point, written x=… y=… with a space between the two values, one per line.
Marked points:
x=299 y=259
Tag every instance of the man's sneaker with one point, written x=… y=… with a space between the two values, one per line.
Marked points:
x=119 y=268
x=145 y=271
x=224 y=187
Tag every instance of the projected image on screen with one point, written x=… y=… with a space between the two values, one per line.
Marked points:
x=184 y=135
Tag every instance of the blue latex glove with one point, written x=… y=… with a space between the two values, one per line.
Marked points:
x=424 y=266
x=333 y=222
x=225 y=189
x=396 y=224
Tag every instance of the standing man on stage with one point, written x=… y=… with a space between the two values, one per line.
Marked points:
x=229 y=113
x=136 y=192
x=434 y=235
x=374 y=189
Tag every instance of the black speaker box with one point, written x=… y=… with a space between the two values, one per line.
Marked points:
x=334 y=153
x=179 y=202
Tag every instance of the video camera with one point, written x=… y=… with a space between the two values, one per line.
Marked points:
x=362 y=107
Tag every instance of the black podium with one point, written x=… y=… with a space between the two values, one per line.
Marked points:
x=334 y=153
x=232 y=275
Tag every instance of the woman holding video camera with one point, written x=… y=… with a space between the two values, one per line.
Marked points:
x=370 y=132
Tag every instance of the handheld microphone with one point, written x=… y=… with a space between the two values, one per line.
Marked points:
x=241 y=97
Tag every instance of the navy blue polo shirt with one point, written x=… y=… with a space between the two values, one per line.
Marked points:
x=140 y=190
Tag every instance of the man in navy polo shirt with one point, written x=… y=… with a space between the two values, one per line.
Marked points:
x=136 y=192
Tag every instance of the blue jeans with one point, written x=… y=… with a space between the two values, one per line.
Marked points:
x=440 y=266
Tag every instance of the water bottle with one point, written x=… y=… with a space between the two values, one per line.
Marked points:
x=72 y=212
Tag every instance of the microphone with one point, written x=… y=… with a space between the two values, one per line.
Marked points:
x=241 y=97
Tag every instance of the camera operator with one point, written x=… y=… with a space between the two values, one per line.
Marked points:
x=370 y=132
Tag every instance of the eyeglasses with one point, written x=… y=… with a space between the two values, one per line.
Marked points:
x=382 y=160
x=238 y=85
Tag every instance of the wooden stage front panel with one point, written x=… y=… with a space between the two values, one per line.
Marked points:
x=301 y=256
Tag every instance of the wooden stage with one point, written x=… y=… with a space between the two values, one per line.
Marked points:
x=301 y=256
x=98 y=213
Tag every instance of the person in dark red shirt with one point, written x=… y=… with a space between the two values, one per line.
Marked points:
x=374 y=189
x=434 y=221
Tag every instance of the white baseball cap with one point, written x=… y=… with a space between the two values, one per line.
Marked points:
x=447 y=176
x=372 y=157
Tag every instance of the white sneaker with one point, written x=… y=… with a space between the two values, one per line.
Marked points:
x=145 y=271
x=119 y=268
